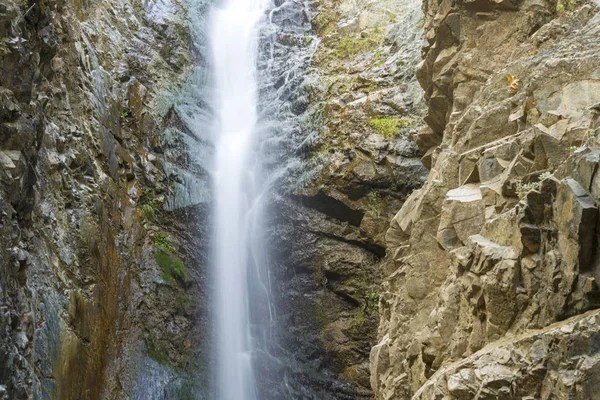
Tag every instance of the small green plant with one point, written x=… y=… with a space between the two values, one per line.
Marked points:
x=359 y=318
x=573 y=149
x=545 y=175
x=125 y=114
x=524 y=188
x=162 y=240
x=350 y=47
x=390 y=127
x=374 y=199
x=387 y=127
x=371 y=303
x=565 y=5
x=149 y=208
x=377 y=59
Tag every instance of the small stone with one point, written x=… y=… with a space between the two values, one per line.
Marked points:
x=21 y=340
x=6 y=161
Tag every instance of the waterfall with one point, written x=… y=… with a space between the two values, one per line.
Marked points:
x=233 y=37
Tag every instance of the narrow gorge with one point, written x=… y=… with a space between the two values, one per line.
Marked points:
x=299 y=199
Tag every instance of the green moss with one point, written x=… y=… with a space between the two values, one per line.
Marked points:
x=390 y=127
x=171 y=266
x=350 y=47
x=359 y=318
x=184 y=305
x=324 y=21
x=377 y=59
x=155 y=353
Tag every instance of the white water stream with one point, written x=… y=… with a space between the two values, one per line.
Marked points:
x=233 y=35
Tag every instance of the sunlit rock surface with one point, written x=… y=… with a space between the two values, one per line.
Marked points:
x=486 y=263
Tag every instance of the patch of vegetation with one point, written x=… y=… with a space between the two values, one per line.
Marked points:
x=321 y=154
x=359 y=318
x=324 y=21
x=377 y=59
x=314 y=120
x=374 y=199
x=161 y=240
x=125 y=114
x=372 y=303
x=155 y=353
x=390 y=127
x=183 y=303
x=350 y=47
x=524 y=188
x=565 y=5
x=149 y=207
x=171 y=266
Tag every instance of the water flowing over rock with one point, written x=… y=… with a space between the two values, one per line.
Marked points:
x=237 y=201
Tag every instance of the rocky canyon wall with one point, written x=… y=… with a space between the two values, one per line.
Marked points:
x=95 y=296
x=490 y=279
x=357 y=104
x=482 y=285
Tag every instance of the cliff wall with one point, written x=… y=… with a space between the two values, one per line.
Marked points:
x=92 y=276
x=492 y=265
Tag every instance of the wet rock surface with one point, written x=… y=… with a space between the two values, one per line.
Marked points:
x=351 y=112
x=94 y=293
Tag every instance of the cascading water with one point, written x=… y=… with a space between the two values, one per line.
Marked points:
x=233 y=37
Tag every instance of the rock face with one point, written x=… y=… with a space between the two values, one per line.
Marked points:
x=486 y=262
x=356 y=104
x=94 y=292
x=483 y=283
x=102 y=280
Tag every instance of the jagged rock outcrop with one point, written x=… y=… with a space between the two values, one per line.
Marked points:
x=501 y=240
x=93 y=285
